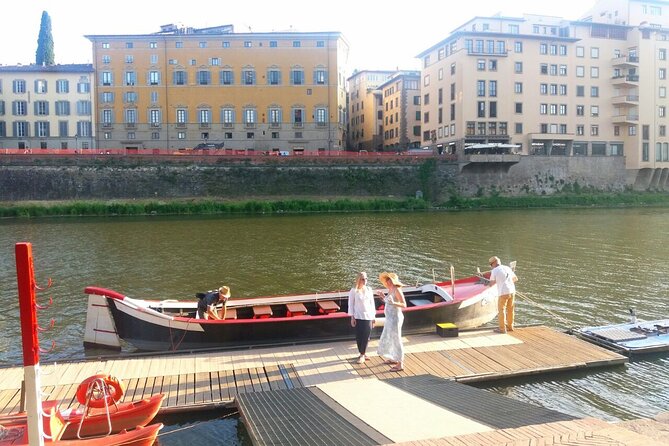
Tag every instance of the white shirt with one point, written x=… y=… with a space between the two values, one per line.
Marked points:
x=361 y=303
x=503 y=276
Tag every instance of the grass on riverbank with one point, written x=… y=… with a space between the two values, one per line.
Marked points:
x=277 y=206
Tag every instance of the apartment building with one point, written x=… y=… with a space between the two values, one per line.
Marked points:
x=554 y=87
x=180 y=87
x=365 y=116
x=401 y=105
x=46 y=107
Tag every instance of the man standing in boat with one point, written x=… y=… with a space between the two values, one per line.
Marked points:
x=206 y=305
x=505 y=279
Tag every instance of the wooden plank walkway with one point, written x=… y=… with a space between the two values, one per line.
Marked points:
x=208 y=380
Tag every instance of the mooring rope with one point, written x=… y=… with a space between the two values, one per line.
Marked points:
x=565 y=321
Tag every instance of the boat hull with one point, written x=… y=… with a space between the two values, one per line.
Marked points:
x=151 y=330
x=141 y=436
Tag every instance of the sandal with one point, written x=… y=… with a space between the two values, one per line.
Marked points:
x=389 y=361
x=397 y=368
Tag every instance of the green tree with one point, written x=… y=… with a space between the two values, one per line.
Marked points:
x=45 y=54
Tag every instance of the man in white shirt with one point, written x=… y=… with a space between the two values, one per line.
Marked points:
x=505 y=279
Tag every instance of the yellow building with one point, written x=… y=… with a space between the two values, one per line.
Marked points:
x=180 y=87
x=46 y=107
x=365 y=105
x=402 y=111
x=548 y=86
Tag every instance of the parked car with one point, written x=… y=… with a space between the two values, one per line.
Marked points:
x=208 y=145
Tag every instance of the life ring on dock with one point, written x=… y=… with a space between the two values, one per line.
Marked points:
x=99 y=391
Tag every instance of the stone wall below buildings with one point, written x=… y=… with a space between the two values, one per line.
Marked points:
x=436 y=178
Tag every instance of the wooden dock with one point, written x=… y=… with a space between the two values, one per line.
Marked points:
x=209 y=380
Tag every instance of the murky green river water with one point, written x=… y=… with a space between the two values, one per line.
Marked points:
x=583 y=266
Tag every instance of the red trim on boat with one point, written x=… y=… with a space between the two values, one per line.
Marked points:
x=103 y=292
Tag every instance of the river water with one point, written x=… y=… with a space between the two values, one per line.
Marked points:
x=577 y=267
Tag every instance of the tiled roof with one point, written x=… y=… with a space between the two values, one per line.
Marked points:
x=67 y=68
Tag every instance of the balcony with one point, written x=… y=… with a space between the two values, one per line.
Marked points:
x=476 y=52
x=626 y=100
x=626 y=119
x=626 y=80
x=626 y=61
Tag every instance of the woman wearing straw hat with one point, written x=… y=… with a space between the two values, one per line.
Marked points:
x=390 y=345
x=206 y=305
x=362 y=311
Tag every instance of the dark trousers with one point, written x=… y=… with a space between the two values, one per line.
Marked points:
x=363 y=329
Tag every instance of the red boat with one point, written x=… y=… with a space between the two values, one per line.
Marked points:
x=95 y=423
x=168 y=325
x=18 y=435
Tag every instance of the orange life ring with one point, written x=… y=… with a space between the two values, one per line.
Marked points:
x=99 y=391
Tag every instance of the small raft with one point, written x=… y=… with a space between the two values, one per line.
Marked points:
x=631 y=338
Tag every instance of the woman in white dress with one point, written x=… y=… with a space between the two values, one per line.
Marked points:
x=390 y=345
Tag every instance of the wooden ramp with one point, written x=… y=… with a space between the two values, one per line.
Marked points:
x=212 y=379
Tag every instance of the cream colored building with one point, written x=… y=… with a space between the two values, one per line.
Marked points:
x=46 y=107
x=402 y=111
x=549 y=86
x=365 y=106
x=180 y=87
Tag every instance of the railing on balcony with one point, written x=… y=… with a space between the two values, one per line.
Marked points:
x=625 y=98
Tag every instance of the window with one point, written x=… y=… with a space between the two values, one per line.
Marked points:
x=543 y=68
x=594 y=111
x=274 y=117
x=248 y=77
x=580 y=51
x=519 y=107
x=179 y=78
x=518 y=67
x=580 y=130
x=480 y=109
x=106 y=60
x=662 y=54
x=228 y=117
x=543 y=109
x=130 y=78
x=580 y=71
x=580 y=90
x=40 y=86
x=129 y=58
x=154 y=78
x=661 y=111
x=227 y=77
x=480 y=65
x=563 y=89
x=62 y=108
x=519 y=128
x=480 y=88
x=297 y=44
x=19 y=86
x=492 y=65
x=517 y=46
x=107 y=117
x=543 y=89
x=594 y=72
x=182 y=117
x=83 y=87
x=204 y=117
x=543 y=48
x=130 y=116
x=492 y=109
x=41 y=108
x=594 y=52
x=203 y=77
x=320 y=77
x=42 y=129
x=297 y=76
x=518 y=87
x=492 y=88
x=297 y=116
x=154 y=117
x=130 y=96
x=662 y=73
x=580 y=110
x=273 y=77
x=594 y=130
x=62 y=86
x=594 y=92
x=19 y=108
x=321 y=116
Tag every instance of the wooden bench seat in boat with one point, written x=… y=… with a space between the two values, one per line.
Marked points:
x=296 y=309
x=231 y=313
x=262 y=311
x=327 y=306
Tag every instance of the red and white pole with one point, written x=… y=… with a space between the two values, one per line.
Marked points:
x=31 y=374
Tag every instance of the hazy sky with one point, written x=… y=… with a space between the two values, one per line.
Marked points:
x=381 y=35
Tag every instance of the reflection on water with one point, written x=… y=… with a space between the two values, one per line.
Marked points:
x=585 y=266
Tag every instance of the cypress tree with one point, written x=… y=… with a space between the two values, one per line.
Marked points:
x=45 y=53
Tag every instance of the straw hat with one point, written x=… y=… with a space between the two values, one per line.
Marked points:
x=393 y=278
x=494 y=259
x=224 y=291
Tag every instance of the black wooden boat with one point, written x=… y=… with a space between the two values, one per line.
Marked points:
x=169 y=325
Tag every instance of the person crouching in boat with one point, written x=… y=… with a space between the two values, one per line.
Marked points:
x=362 y=311
x=390 y=345
x=206 y=305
